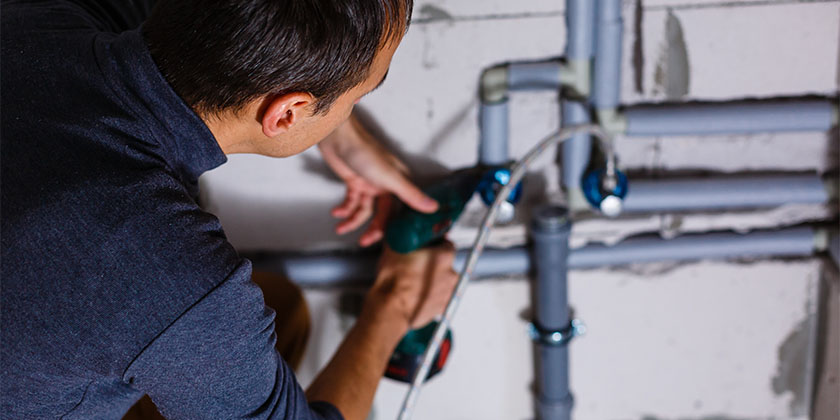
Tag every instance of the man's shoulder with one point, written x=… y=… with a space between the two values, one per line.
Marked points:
x=99 y=15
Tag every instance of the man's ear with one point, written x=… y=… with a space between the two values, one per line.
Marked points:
x=283 y=111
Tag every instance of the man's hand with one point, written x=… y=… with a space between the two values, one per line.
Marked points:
x=410 y=290
x=371 y=174
x=416 y=285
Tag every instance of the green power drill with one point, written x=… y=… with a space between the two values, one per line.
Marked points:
x=409 y=230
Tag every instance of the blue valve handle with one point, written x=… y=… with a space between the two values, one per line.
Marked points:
x=593 y=190
x=493 y=181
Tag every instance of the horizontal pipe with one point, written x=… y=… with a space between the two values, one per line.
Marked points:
x=731 y=193
x=731 y=117
x=358 y=270
x=544 y=75
x=791 y=242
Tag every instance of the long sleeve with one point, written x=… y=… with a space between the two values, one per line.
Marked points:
x=218 y=361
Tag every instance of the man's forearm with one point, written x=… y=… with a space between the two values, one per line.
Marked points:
x=350 y=379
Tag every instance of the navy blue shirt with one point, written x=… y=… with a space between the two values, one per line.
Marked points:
x=114 y=282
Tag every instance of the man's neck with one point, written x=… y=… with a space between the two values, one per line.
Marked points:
x=232 y=132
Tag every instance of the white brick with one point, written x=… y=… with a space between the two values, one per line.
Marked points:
x=487 y=9
x=737 y=52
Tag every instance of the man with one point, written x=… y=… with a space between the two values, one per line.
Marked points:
x=115 y=283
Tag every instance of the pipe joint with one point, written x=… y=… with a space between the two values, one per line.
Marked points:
x=612 y=121
x=493 y=86
x=576 y=77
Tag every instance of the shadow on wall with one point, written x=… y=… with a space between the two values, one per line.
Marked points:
x=673 y=71
x=422 y=168
x=833 y=156
x=271 y=225
x=263 y=223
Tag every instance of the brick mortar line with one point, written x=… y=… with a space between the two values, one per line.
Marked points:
x=478 y=18
x=536 y=15
x=735 y=3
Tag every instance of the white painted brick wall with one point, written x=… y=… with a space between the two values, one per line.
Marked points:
x=671 y=344
x=693 y=341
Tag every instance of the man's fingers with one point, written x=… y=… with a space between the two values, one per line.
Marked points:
x=348 y=206
x=370 y=237
x=376 y=230
x=362 y=214
x=411 y=195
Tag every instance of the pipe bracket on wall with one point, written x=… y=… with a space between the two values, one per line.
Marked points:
x=560 y=337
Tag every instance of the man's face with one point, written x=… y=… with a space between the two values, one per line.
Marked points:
x=311 y=129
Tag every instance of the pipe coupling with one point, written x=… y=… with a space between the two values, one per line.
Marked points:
x=612 y=121
x=576 y=77
x=493 y=85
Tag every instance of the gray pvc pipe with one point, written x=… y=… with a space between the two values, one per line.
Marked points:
x=727 y=193
x=550 y=233
x=580 y=21
x=730 y=118
x=493 y=133
x=544 y=75
x=576 y=150
x=606 y=85
x=787 y=242
x=580 y=14
x=358 y=270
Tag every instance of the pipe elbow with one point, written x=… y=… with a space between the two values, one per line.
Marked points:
x=612 y=121
x=576 y=77
x=493 y=85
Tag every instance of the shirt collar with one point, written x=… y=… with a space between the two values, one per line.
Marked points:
x=187 y=144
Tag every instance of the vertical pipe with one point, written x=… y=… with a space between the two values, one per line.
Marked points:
x=550 y=234
x=580 y=15
x=580 y=20
x=493 y=132
x=577 y=149
x=606 y=87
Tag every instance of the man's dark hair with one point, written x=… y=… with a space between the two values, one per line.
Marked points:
x=220 y=54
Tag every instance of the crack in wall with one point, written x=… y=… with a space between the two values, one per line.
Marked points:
x=741 y=3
